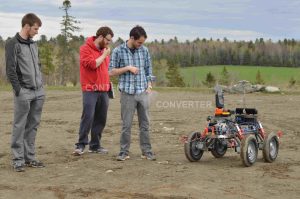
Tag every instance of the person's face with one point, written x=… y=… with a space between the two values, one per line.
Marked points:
x=139 y=42
x=32 y=30
x=105 y=41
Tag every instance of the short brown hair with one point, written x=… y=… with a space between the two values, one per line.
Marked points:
x=104 y=31
x=31 y=19
x=137 y=32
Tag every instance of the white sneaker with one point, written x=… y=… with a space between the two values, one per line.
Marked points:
x=78 y=151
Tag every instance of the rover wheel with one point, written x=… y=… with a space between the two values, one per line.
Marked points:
x=192 y=153
x=249 y=150
x=271 y=147
x=219 y=149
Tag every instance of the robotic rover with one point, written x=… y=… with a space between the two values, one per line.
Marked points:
x=239 y=129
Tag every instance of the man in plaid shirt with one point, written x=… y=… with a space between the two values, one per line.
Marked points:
x=132 y=63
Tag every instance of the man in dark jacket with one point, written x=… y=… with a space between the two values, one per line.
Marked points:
x=94 y=79
x=23 y=69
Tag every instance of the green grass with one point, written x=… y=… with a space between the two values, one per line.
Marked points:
x=277 y=76
x=183 y=89
x=8 y=87
x=201 y=89
x=193 y=76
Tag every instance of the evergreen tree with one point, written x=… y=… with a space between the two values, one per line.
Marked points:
x=46 y=57
x=210 y=80
x=160 y=68
x=174 y=76
x=68 y=22
x=69 y=26
x=259 y=79
x=247 y=57
x=224 y=78
x=292 y=82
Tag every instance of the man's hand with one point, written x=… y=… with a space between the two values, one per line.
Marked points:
x=149 y=88
x=133 y=69
x=99 y=60
x=106 y=51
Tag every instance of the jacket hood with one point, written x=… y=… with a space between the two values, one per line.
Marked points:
x=90 y=42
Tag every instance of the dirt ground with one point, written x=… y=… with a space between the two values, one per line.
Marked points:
x=173 y=114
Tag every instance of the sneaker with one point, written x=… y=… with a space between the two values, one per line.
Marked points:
x=35 y=164
x=19 y=168
x=148 y=156
x=78 y=151
x=101 y=150
x=123 y=156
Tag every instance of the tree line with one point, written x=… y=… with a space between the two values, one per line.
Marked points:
x=202 y=52
x=60 y=56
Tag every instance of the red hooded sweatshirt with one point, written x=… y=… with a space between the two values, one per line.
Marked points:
x=91 y=77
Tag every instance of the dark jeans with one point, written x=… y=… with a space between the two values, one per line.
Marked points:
x=94 y=114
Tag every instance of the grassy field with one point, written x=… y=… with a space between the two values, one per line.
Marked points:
x=277 y=76
x=193 y=76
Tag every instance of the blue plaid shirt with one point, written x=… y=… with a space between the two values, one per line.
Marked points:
x=128 y=82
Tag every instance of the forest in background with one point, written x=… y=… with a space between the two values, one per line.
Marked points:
x=61 y=66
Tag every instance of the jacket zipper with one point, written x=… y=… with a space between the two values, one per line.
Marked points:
x=36 y=85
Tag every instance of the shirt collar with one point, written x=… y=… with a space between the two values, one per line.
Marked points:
x=124 y=45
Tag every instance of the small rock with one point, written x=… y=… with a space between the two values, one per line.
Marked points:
x=259 y=87
x=109 y=171
x=272 y=89
x=164 y=162
x=168 y=129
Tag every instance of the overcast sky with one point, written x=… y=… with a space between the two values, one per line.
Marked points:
x=164 y=19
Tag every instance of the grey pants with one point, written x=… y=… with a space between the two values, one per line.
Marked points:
x=130 y=103
x=27 y=114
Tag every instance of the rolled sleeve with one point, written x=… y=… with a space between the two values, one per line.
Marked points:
x=148 y=67
x=114 y=60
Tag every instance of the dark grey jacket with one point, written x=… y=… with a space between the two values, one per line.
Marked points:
x=23 y=67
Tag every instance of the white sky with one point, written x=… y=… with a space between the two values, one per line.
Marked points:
x=186 y=19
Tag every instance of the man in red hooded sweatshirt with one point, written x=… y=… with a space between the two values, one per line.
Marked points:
x=94 y=79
